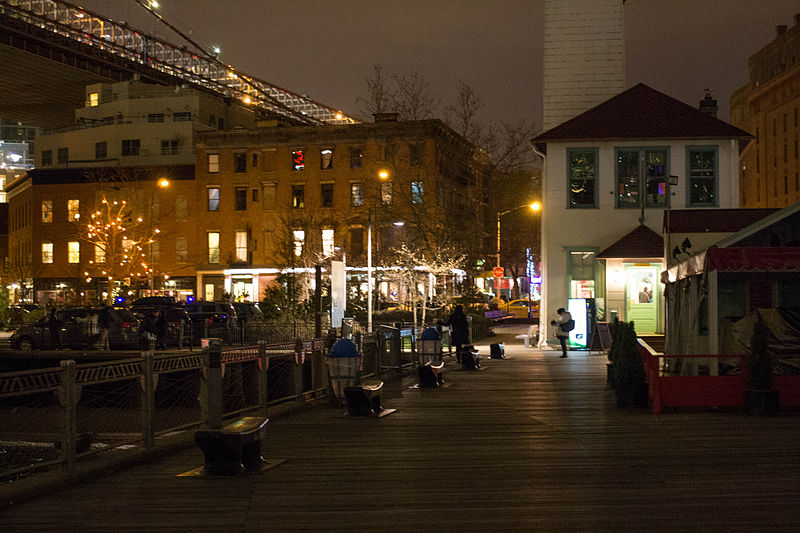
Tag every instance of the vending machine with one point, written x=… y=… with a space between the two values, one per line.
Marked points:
x=583 y=313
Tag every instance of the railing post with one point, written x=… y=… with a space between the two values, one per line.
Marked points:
x=148 y=384
x=298 y=369
x=180 y=335
x=212 y=359
x=68 y=396
x=263 y=382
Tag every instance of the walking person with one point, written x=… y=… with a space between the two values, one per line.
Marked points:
x=564 y=324
x=459 y=330
x=54 y=325
x=103 y=322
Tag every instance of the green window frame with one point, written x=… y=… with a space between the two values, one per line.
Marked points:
x=702 y=170
x=582 y=165
x=642 y=172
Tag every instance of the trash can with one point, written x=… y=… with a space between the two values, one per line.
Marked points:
x=344 y=364
x=430 y=350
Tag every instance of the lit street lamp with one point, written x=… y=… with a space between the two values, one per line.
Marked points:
x=535 y=206
x=383 y=175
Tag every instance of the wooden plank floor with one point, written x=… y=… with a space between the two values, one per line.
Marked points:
x=533 y=443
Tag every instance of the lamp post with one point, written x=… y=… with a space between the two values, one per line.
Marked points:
x=535 y=206
x=383 y=175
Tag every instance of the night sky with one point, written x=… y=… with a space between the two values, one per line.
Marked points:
x=326 y=49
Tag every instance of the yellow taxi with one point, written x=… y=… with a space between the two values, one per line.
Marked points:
x=519 y=308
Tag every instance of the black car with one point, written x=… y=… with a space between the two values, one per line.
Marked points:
x=79 y=328
x=147 y=309
x=212 y=313
x=248 y=312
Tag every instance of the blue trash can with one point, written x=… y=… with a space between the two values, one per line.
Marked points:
x=344 y=364
x=430 y=349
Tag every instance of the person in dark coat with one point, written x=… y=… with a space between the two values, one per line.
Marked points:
x=162 y=326
x=54 y=325
x=459 y=330
x=104 y=322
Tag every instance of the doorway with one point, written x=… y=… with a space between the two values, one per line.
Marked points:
x=642 y=299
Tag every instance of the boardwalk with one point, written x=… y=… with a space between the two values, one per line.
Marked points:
x=532 y=443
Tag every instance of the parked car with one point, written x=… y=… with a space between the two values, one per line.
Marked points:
x=147 y=308
x=80 y=329
x=212 y=312
x=519 y=308
x=248 y=312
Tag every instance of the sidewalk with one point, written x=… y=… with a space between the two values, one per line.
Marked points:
x=534 y=442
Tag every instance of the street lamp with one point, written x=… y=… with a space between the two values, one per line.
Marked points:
x=383 y=175
x=535 y=206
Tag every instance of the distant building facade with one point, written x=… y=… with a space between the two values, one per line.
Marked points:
x=768 y=108
x=584 y=56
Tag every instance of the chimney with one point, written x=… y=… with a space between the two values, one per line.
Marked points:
x=780 y=30
x=708 y=104
x=385 y=117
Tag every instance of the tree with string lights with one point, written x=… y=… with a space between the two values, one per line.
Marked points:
x=119 y=238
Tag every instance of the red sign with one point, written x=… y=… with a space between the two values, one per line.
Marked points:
x=498 y=272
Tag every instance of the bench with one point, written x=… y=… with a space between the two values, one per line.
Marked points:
x=497 y=315
x=430 y=374
x=235 y=448
x=532 y=335
x=364 y=399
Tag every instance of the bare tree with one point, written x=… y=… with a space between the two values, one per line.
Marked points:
x=414 y=99
x=380 y=96
x=462 y=115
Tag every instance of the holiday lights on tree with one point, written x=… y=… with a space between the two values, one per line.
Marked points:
x=120 y=239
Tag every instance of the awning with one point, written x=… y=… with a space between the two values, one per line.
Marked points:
x=738 y=260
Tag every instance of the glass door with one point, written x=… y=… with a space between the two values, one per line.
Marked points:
x=641 y=297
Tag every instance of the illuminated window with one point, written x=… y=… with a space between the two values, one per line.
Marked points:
x=73 y=252
x=213 y=247
x=641 y=173
x=101 y=150
x=327 y=242
x=47 y=252
x=299 y=237
x=94 y=99
x=581 y=177
x=416 y=192
x=326 y=158
x=356 y=194
x=356 y=157
x=99 y=253
x=298 y=196
x=213 y=198
x=73 y=210
x=298 y=160
x=326 y=194
x=241 y=246
x=386 y=193
x=213 y=163
x=47 y=211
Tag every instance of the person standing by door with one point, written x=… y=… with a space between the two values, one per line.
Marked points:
x=564 y=324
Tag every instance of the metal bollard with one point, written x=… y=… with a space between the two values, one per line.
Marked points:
x=212 y=357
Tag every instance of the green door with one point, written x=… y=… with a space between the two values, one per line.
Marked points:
x=641 y=296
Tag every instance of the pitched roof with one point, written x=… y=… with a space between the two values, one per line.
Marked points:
x=714 y=220
x=642 y=113
x=642 y=242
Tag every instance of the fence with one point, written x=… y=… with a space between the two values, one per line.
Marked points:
x=56 y=416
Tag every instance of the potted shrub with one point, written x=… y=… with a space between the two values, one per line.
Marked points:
x=760 y=397
x=628 y=376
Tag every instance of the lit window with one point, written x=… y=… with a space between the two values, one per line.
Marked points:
x=299 y=237
x=241 y=246
x=99 y=253
x=47 y=212
x=635 y=181
x=213 y=247
x=702 y=172
x=326 y=158
x=416 y=192
x=582 y=177
x=327 y=242
x=74 y=252
x=213 y=163
x=298 y=160
x=73 y=210
x=298 y=196
x=386 y=193
x=213 y=199
x=47 y=252
x=356 y=194
x=94 y=99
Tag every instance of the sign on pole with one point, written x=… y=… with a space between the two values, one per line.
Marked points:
x=498 y=272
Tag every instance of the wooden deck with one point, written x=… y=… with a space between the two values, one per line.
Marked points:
x=533 y=443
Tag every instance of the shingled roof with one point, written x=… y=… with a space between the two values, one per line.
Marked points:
x=642 y=113
x=640 y=243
